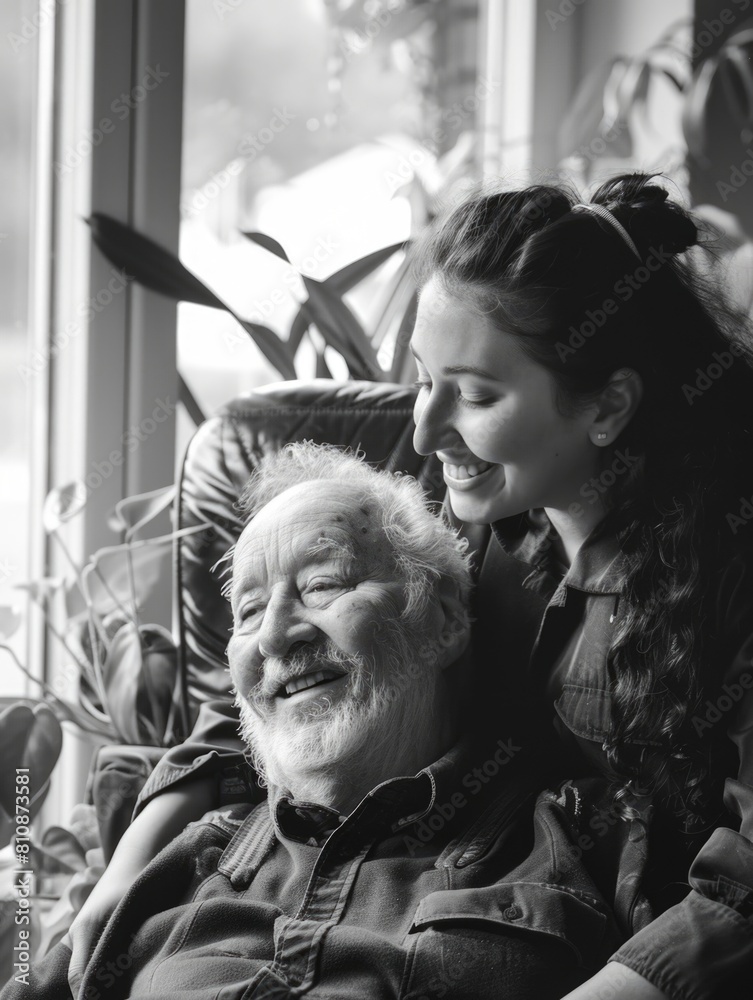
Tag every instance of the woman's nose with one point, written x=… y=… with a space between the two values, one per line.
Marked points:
x=283 y=625
x=434 y=430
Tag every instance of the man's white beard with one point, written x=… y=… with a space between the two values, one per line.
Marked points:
x=374 y=725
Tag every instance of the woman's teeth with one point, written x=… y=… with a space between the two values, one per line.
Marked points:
x=467 y=471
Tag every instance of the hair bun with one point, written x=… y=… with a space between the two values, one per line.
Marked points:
x=646 y=212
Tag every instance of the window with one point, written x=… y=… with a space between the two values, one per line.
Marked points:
x=22 y=365
x=315 y=123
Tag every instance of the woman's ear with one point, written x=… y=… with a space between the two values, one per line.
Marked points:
x=615 y=407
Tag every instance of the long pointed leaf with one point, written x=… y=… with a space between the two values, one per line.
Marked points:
x=298 y=329
x=332 y=317
x=161 y=271
x=149 y=263
x=349 y=276
x=133 y=513
x=322 y=368
x=271 y=346
x=187 y=398
x=341 y=330
x=262 y=240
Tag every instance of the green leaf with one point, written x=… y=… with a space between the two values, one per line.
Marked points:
x=10 y=621
x=133 y=513
x=147 y=262
x=332 y=318
x=322 y=368
x=341 y=282
x=65 y=848
x=341 y=330
x=298 y=329
x=30 y=737
x=262 y=240
x=272 y=347
x=140 y=674
x=347 y=277
x=161 y=271
x=62 y=504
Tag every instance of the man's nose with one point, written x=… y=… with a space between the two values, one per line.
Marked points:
x=434 y=429
x=284 y=624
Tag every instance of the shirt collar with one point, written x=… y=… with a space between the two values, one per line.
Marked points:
x=398 y=802
x=599 y=566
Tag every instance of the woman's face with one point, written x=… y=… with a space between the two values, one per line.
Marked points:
x=490 y=415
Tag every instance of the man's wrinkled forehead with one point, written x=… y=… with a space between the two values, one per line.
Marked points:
x=312 y=522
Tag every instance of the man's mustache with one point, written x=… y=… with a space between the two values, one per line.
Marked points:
x=277 y=671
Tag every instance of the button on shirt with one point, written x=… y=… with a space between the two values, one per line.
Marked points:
x=460 y=881
x=560 y=628
x=540 y=643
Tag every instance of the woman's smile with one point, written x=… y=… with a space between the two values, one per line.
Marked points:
x=470 y=475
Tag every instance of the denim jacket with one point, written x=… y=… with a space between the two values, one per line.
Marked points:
x=701 y=945
x=459 y=881
x=540 y=643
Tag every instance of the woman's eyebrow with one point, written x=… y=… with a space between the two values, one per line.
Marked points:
x=460 y=369
x=470 y=370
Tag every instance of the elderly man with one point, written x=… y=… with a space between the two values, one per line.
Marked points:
x=394 y=856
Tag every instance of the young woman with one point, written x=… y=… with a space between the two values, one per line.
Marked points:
x=592 y=403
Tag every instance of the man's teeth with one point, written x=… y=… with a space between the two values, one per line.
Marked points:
x=467 y=471
x=309 y=680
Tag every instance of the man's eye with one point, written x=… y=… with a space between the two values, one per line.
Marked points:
x=322 y=586
x=422 y=384
x=322 y=589
x=245 y=614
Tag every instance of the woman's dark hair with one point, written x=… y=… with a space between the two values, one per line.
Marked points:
x=581 y=304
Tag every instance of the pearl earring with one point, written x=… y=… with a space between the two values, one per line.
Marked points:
x=601 y=436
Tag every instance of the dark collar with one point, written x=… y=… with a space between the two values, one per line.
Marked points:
x=397 y=802
x=599 y=567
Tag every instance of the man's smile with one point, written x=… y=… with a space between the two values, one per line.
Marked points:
x=306 y=682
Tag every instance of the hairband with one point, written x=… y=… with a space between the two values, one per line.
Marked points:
x=607 y=216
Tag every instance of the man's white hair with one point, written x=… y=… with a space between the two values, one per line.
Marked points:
x=425 y=548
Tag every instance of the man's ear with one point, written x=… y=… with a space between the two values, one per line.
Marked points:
x=453 y=625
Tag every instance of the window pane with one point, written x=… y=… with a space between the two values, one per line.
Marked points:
x=283 y=135
x=17 y=76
